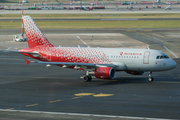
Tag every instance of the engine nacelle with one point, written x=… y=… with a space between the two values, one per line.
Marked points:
x=135 y=72
x=104 y=72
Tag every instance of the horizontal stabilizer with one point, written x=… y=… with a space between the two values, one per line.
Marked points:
x=27 y=62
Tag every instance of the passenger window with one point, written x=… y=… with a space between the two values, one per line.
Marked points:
x=137 y=56
x=129 y=56
x=124 y=56
x=116 y=56
x=134 y=56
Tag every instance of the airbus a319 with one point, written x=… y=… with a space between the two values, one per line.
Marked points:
x=103 y=63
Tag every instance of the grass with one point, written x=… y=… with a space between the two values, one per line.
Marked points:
x=94 y=24
x=79 y=16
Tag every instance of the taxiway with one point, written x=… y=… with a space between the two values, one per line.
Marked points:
x=37 y=92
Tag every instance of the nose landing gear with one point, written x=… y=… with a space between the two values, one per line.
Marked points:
x=151 y=79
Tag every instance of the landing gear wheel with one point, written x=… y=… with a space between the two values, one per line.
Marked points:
x=87 y=78
x=151 y=79
x=90 y=78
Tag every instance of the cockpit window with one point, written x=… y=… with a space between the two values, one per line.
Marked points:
x=162 y=57
x=157 y=57
x=165 y=56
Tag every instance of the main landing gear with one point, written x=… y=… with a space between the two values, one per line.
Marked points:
x=88 y=76
x=150 y=77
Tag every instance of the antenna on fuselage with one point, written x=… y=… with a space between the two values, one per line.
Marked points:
x=148 y=47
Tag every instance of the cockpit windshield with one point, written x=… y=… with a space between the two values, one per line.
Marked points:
x=162 y=57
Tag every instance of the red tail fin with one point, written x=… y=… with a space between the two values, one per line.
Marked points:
x=34 y=35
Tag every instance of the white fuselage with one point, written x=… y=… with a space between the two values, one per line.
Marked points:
x=139 y=59
x=122 y=59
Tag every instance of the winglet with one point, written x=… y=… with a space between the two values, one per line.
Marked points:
x=27 y=62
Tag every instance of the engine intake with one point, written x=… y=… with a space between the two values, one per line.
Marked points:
x=104 y=72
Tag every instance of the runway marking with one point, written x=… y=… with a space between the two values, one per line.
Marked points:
x=83 y=41
x=103 y=95
x=54 y=101
x=93 y=94
x=167 y=82
x=162 y=44
x=169 y=43
x=147 y=30
x=171 y=52
x=94 y=34
x=9 y=48
x=31 y=105
x=84 y=94
x=6 y=109
x=76 y=97
x=166 y=48
x=81 y=114
x=131 y=30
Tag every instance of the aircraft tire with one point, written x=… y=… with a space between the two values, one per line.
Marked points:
x=151 y=79
x=87 y=78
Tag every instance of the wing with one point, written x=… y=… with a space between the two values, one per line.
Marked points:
x=69 y=64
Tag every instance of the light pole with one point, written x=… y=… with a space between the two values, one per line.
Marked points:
x=22 y=22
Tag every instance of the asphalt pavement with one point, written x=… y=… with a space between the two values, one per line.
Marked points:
x=57 y=93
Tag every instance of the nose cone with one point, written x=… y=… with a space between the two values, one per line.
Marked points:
x=172 y=64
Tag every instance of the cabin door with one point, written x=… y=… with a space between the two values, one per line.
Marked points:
x=146 y=57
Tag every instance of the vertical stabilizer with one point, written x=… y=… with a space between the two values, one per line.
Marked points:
x=34 y=35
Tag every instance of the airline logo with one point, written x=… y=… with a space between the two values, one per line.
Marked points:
x=121 y=53
x=132 y=53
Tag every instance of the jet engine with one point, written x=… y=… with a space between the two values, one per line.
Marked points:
x=104 y=72
x=135 y=72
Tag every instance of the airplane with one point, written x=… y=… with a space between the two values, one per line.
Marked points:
x=103 y=63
